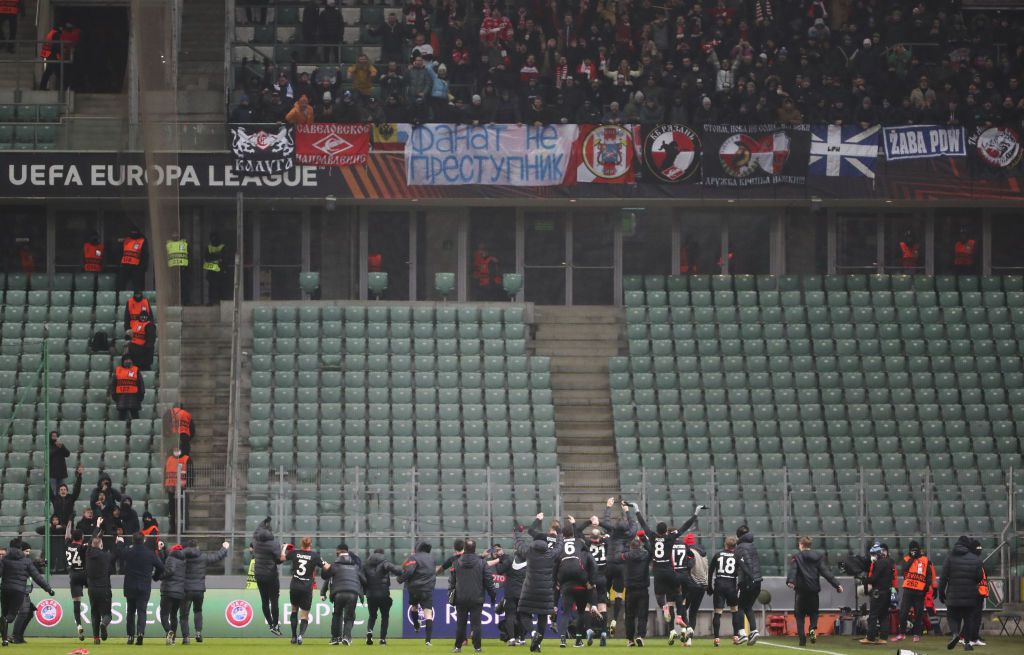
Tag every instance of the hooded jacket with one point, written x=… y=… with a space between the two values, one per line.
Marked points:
x=172 y=582
x=299 y=115
x=806 y=568
x=99 y=565
x=538 y=593
x=64 y=506
x=377 y=571
x=113 y=495
x=266 y=552
x=419 y=572
x=958 y=585
x=17 y=570
x=344 y=576
x=471 y=579
x=129 y=517
x=513 y=567
x=748 y=561
x=196 y=562
x=620 y=531
x=149 y=524
x=638 y=565
x=141 y=567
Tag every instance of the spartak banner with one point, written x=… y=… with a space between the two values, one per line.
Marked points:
x=332 y=144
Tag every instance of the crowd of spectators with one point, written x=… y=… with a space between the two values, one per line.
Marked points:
x=548 y=61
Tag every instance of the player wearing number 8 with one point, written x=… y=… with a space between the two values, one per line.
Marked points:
x=666 y=586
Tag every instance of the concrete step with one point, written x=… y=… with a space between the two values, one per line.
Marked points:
x=576 y=413
x=101 y=104
x=578 y=381
x=598 y=365
x=565 y=349
x=597 y=397
x=578 y=331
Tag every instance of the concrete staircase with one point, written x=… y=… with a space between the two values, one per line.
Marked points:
x=201 y=61
x=205 y=384
x=579 y=341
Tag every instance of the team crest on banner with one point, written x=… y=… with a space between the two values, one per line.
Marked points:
x=998 y=147
x=604 y=154
x=259 y=152
x=672 y=152
x=332 y=144
x=755 y=155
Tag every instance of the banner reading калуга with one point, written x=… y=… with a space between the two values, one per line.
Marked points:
x=226 y=613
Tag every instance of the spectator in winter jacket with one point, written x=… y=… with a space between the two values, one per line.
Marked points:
x=87 y=524
x=111 y=496
x=958 y=588
x=58 y=561
x=59 y=454
x=301 y=113
x=172 y=590
x=362 y=74
x=419 y=575
x=196 y=564
x=330 y=28
x=538 y=595
x=129 y=517
x=63 y=501
x=468 y=581
x=392 y=38
x=345 y=583
x=419 y=81
x=377 y=572
x=806 y=568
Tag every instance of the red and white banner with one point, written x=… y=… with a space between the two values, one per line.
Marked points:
x=332 y=144
x=604 y=154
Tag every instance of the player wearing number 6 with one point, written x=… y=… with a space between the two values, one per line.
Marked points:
x=666 y=586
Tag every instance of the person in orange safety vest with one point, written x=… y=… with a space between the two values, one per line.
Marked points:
x=92 y=254
x=917 y=579
x=143 y=341
x=485 y=272
x=136 y=304
x=910 y=251
x=134 y=259
x=963 y=253
x=182 y=425
x=127 y=389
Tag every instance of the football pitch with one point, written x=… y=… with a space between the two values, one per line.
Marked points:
x=280 y=646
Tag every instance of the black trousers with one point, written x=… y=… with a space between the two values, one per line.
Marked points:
x=193 y=602
x=748 y=596
x=382 y=604
x=526 y=618
x=637 y=605
x=270 y=595
x=959 y=619
x=99 y=609
x=215 y=283
x=471 y=613
x=694 y=597
x=169 y=610
x=973 y=633
x=806 y=607
x=912 y=600
x=344 y=615
x=135 y=619
x=129 y=278
x=878 y=615
x=573 y=605
x=25 y=615
x=11 y=21
x=512 y=626
x=10 y=605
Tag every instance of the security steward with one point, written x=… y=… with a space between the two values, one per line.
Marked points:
x=143 y=341
x=171 y=479
x=917 y=579
x=127 y=389
x=484 y=271
x=963 y=253
x=136 y=304
x=92 y=253
x=134 y=259
x=910 y=251
x=182 y=424
x=213 y=265
x=177 y=261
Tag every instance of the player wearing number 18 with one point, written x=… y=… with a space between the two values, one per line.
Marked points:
x=723 y=590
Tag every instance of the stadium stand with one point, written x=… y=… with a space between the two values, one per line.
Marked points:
x=840 y=406
x=379 y=415
x=61 y=314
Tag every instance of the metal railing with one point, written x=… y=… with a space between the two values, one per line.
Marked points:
x=28 y=64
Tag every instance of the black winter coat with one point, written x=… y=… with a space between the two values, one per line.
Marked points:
x=344 y=576
x=59 y=461
x=620 y=531
x=514 y=570
x=806 y=568
x=17 y=570
x=129 y=517
x=196 y=562
x=172 y=582
x=141 y=567
x=748 y=561
x=64 y=506
x=538 y=594
x=638 y=566
x=958 y=586
x=419 y=573
x=377 y=572
x=99 y=565
x=266 y=551
x=471 y=580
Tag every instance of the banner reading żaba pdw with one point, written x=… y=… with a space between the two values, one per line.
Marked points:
x=755 y=155
x=261 y=152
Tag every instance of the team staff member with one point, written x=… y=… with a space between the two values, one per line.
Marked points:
x=637 y=572
x=92 y=252
x=99 y=565
x=177 y=262
x=345 y=583
x=958 y=589
x=143 y=341
x=750 y=579
x=806 y=568
x=917 y=579
x=127 y=389
x=305 y=561
x=213 y=266
x=538 y=596
x=172 y=589
x=134 y=259
x=620 y=532
x=973 y=637
x=468 y=581
x=722 y=587
x=377 y=572
x=17 y=569
x=137 y=303
x=881 y=578
x=574 y=573
x=196 y=563
x=183 y=425
x=141 y=566
x=513 y=567
x=419 y=575
x=267 y=555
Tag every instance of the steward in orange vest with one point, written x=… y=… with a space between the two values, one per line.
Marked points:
x=134 y=307
x=127 y=389
x=143 y=341
x=963 y=253
x=134 y=259
x=917 y=579
x=182 y=425
x=92 y=254
x=910 y=251
x=171 y=470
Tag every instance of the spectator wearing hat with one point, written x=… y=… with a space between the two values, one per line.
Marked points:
x=301 y=113
x=243 y=113
x=394 y=111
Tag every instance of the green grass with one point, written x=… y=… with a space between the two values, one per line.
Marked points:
x=825 y=645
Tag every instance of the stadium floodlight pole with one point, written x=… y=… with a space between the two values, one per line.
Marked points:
x=46 y=462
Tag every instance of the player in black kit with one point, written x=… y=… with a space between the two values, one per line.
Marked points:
x=620 y=533
x=663 y=541
x=574 y=572
x=722 y=573
x=598 y=546
x=305 y=561
x=74 y=554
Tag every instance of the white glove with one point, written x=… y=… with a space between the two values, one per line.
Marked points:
x=225 y=545
x=698 y=509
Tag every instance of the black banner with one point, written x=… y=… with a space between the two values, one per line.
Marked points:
x=743 y=156
x=262 y=152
